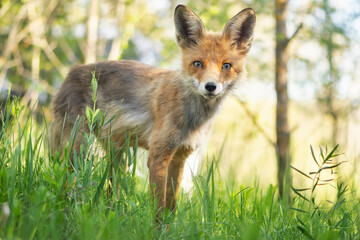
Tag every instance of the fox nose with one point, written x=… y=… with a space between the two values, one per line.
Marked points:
x=210 y=86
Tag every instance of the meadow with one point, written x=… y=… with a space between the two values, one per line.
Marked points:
x=233 y=193
x=44 y=196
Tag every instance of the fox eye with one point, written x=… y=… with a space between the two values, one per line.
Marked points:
x=226 y=66
x=197 y=64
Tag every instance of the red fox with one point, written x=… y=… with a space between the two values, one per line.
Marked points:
x=171 y=111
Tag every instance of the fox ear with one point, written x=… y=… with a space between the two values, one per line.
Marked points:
x=189 y=27
x=240 y=30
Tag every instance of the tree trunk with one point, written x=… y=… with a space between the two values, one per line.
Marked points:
x=92 y=29
x=282 y=129
x=115 y=51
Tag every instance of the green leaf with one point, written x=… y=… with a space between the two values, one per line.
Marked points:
x=297 y=193
x=94 y=84
x=322 y=154
x=301 y=172
x=297 y=209
x=339 y=204
x=302 y=189
x=7 y=119
x=330 y=155
x=96 y=115
x=316 y=183
x=102 y=118
x=332 y=166
x=301 y=222
x=89 y=114
x=109 y=121
x=313 y=155
x=101 y=184
x=305 y=232
x=338 y=223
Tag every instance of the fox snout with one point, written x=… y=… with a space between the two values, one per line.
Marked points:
x=209 y=80
x=210 y=89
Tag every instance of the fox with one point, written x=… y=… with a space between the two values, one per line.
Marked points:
x=171 y=111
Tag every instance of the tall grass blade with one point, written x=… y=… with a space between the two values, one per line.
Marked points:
x=299 y=194
x=313 y=155
x=6 y=121
x=330 y=155
x=332 y=166
x=304 y=174
x=101 y=184
x=305 y=232
x=298 y=210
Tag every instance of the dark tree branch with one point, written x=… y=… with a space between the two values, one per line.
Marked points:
x=295 y=33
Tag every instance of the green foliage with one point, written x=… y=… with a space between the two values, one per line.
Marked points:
x=320 y=213
x=93 y=115
x=48 y=197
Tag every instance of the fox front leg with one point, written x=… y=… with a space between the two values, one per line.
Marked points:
x=160 y=155
x=175 y=172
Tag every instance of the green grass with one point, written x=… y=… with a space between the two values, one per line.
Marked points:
x=48 y=201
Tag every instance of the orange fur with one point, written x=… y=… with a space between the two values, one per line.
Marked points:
x=172 y=111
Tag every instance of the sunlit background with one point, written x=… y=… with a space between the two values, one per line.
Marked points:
x=41 y=39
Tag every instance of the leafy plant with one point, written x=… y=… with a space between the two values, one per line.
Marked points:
x=326 y=162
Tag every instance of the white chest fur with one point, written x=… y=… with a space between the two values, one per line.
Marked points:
x=200 y=136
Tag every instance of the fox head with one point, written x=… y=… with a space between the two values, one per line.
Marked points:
x=213 y=62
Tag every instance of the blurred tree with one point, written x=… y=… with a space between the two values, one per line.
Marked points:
x=43 y=39
x=281 y=85
x=330 y=32
x=116 y=51
x=92 y=31
x=328 y=96
x=282 y=129
x=21 y=56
